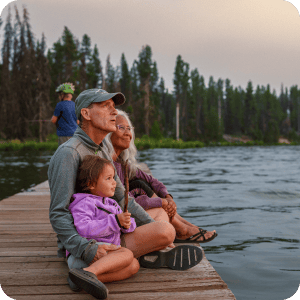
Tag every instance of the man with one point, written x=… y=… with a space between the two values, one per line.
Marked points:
x=64 y=114
x=95 y=110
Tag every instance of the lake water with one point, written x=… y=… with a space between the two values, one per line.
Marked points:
x=22 y=170
x=251 y=196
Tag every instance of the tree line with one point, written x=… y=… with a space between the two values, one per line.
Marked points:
x=205 y=111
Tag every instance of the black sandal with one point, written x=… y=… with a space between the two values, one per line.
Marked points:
x=88 y=282
x=194 y=238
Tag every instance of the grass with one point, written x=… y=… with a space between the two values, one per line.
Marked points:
x=141 y=143
x=150 y=143
x=28 y=145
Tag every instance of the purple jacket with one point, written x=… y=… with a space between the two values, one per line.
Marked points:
x=157 y=186
x=95 y=218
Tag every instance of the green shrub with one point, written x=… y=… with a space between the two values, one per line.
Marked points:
x=293 y=136
x=155 y=131
x=52 y=138
x=272 y=132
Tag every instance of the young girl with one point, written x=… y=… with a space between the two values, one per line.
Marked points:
x=98 y=217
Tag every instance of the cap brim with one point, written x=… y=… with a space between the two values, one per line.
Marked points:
x=118 y=98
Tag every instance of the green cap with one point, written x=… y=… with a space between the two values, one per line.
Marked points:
x=88 y=97
x=66 y=88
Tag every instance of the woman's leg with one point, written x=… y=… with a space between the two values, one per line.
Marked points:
x=115 y=265
x=185 y=221
x=184 y=231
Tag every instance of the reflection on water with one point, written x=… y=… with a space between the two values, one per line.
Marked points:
x=251 y=196
x=22 y=170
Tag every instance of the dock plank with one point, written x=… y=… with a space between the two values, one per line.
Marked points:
x=31 y=270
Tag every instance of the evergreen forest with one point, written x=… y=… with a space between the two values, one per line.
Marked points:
x=30 y=71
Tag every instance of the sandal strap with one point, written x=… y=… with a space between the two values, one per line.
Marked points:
x=202 y=230
x=196 y=236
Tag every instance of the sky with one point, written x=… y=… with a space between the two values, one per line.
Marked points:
x=241 y=40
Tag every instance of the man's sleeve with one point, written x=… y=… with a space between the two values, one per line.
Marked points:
x=62 y=174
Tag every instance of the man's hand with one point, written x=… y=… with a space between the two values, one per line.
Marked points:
x=124 y=219
x=102 y=251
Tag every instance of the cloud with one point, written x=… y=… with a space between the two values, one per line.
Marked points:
x=3 y=3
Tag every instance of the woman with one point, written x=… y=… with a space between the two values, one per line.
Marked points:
x=121 y=147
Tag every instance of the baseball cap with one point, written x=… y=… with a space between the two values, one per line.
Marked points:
x=90 y=96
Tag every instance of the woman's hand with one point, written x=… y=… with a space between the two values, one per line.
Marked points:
x=124 y=219
x=169 y=206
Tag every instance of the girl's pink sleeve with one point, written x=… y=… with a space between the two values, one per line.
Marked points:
x=131 y=228
x=88 y=227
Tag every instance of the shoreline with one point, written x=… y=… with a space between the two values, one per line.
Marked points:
x=145 y=143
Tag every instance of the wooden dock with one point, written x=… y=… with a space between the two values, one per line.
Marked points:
x=31 y=270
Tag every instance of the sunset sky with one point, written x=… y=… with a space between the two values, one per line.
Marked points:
x=257 y=40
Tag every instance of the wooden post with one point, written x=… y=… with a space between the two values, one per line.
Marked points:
x=177 y=119
x=298 y=100
x=126 y=185
x=147 y=104
x=40 y=120
x=219 y=110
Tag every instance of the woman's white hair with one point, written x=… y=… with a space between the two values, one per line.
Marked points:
x=130 y=153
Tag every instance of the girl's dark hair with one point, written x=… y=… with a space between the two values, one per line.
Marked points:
x=89 y=171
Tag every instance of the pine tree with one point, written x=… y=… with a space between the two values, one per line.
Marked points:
x=185 y=104
x=111 y=77
x=5 y=86
x=178 y=91
x=197 y=97
x=229 y=108
x=154 y=77
x=285 y=126
x=85 y=57
x=181 y=90
x=56 y=64
x=247 y=109
x=212 y=127
x=145 y=68
x=125 y=80
x=168 y=108
x=238 y=97
x=136 y=101
x=43 y=86
x=221 y=106
x=70 y=56
x=260 y=113
x=94 y=70
x=294 y=106
x=155 y=109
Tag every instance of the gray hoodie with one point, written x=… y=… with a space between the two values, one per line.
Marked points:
x=62 y=174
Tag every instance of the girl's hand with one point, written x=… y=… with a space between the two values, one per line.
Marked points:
x=124 y=219
x=102 y=251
